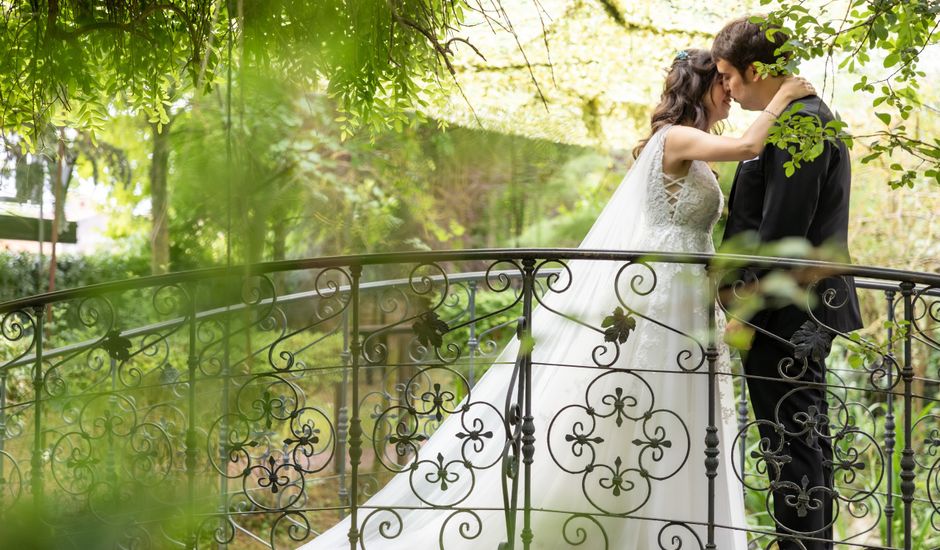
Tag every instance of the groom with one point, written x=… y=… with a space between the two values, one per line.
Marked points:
x=812 y=204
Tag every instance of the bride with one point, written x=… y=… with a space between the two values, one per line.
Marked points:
x=619 y=422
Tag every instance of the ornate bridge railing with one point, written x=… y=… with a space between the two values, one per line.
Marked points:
x=262 y=405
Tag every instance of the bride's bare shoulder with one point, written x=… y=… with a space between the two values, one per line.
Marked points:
x=683 y=134
x=676 y=139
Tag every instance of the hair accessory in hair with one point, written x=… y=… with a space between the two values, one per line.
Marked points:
x=682 y=55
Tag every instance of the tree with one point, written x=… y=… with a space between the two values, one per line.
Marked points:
x=865 y=37
x=159 y=211
x=373 y=55
x=76 y=63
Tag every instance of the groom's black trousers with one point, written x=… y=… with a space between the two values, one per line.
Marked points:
x=800 y=473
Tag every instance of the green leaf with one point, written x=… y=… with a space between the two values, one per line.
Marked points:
x=884 y=117
x=429 y=329
x=619 y=326
x=816 y=150
x=811 y=342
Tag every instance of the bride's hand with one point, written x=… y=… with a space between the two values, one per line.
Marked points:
x=795 y=87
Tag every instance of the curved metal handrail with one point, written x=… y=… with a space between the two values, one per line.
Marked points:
x=867 y=284
x=726 y=260
x=283 y=299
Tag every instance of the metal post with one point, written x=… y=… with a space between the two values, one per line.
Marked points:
x=355 y=428
x=342 y=421
x=190 y=459
x=742 y=425
x=42 y=237
x=907 y=455
x=3 y=430
x=36 y=474
x=111 y=458
x=711 y=431
x=510 y=461
x=525 y=385
x=889 y=424
x=223 y=427
x=472 y=343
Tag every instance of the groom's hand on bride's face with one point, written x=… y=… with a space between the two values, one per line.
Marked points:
x=739 y=335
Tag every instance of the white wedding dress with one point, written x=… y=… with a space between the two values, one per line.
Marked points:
x=619 y=433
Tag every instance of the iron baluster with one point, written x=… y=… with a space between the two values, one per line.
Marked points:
x=711 y=432
x=472 y=344
x=342 y=421
x=223 y=428
x=191 y=420
x=525 y=386
x=907 y=455
x=355 y=428
x=889 y=424
x=742 y=425
x=3 y=432
x=36 y=463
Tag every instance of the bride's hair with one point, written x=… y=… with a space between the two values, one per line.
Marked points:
x=689 y=80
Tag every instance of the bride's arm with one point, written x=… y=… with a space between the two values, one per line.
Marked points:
x=684 y=143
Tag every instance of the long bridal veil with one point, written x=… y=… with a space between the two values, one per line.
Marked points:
x=620 y=426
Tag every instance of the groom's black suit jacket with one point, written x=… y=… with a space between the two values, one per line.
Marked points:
x=812 y=204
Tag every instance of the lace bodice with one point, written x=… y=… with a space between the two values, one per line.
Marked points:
x=682 y=211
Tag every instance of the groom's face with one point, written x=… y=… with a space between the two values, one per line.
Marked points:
x=741 y=87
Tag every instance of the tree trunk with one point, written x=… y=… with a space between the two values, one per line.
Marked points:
x=57 y=207
x=279 y=244
x=61 y=175
x=160 y=233
x=279 y=249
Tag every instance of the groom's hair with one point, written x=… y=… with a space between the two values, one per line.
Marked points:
x=742 y=42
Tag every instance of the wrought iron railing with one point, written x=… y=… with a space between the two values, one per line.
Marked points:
x=216 y=408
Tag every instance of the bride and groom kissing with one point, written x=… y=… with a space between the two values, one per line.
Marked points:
x=584 y=465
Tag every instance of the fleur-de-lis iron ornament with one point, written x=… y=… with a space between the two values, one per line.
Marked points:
x=582 y=439
x=437 y=398
x=271 y=478
x=619 y=401
x=404 y=439
x=475 y=435
x=442 y=476
x=802 y=501
x=933 y=442
x=848 y=464
x=617 y=484
x=654 y=442
x=776 y=458
x=813 y=422
x=308 y=437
